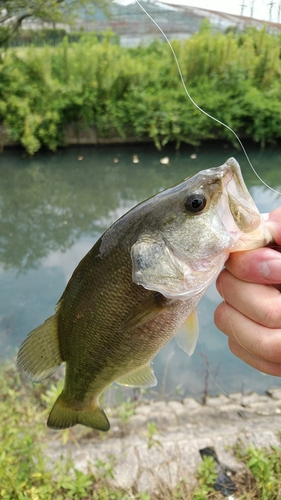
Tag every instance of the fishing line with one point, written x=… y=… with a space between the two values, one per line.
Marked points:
x=209 y=371
x=243 y=149
x=215 y=382
x=198 y=107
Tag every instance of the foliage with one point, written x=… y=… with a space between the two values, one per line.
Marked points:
x=23 y=467
x=14 y=12
x=138 y=92
x=126 y=410
x=50 y=36
x=150 y=434
x=23 y=471
x=20 y=457
x=265 y=465
x=206 y=476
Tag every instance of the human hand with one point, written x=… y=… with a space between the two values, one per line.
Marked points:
x=251 y=312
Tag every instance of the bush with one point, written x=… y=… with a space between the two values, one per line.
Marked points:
x=138 y=92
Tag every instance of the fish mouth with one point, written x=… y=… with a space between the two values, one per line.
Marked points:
x=242 y=206
x=243 y=209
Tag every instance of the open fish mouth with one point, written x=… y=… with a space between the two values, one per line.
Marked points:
x=241 y=204
x=242 y=207
x=180 y=262
x=244 y=211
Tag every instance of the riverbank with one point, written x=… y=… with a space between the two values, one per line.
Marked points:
x=152 y=451
x=138 y=92
x=79 y=137
x=158 y=448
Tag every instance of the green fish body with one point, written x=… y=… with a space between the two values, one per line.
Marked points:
x=138 y=287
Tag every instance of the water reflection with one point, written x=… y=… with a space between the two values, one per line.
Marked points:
x=54 y=208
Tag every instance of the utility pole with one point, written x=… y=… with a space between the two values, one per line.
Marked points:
x=270 y=10
x=243 y=5
x=279 y=12
x=252 y=8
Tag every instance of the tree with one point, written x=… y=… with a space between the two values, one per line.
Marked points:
x=14 y=12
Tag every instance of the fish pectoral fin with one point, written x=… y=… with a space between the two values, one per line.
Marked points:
x=63 y=416
x=39 y=355
x=188 y=334
x=142 y=377
x=142 y=313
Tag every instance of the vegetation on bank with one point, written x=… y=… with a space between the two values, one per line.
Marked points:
x=14 y=13
x=54 y=36
x=138 y=92
x=24 y=470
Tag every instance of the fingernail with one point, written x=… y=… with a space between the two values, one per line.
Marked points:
x=271 y=269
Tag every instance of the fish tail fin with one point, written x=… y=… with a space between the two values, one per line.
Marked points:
x=63 y=416
x=39 y=355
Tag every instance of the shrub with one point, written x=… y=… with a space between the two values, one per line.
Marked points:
x=138 y=92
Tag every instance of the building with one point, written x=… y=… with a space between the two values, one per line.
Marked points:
x=177 y=22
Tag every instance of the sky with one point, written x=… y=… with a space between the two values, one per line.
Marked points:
x=268 y=10
x=262 y=9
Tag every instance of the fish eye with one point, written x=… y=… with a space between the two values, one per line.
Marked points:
x=196 y=202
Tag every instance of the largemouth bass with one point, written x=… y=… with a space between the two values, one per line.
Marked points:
x=138 y=287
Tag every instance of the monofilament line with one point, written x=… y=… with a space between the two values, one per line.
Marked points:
x=198 y=107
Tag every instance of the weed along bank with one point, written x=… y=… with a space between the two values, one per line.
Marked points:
x=152 y=451
x=156 y=450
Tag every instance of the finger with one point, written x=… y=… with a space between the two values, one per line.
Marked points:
x=258 y=363
x=274 y=225
x=258 y=266
x=257 y=340
x=260 y=303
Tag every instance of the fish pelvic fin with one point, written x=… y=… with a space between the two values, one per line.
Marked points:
x=39 y=355
x=141 y=377
x=63 y=415
x=188 y=334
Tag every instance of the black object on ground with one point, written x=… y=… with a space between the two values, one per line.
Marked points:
x=223 y=483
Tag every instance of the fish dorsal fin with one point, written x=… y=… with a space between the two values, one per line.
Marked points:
x=39 y=355
x=143 y=312
x=188 y=334
x=142 y=377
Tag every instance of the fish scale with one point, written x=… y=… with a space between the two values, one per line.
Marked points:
x=138 y=287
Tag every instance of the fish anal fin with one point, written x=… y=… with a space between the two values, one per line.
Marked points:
x=63 y=415
x=188 y=334
x=142 y=377
x=39 y=355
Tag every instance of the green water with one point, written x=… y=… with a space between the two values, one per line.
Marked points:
x=55 y=206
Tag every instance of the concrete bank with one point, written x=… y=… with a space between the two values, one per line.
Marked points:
x=157 y=458
x=74 y=136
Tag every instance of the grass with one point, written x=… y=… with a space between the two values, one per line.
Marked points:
x=25 y=474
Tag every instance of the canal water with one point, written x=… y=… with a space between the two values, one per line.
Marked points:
x=55 y=206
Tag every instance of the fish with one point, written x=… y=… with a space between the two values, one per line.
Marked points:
x=138 y=287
